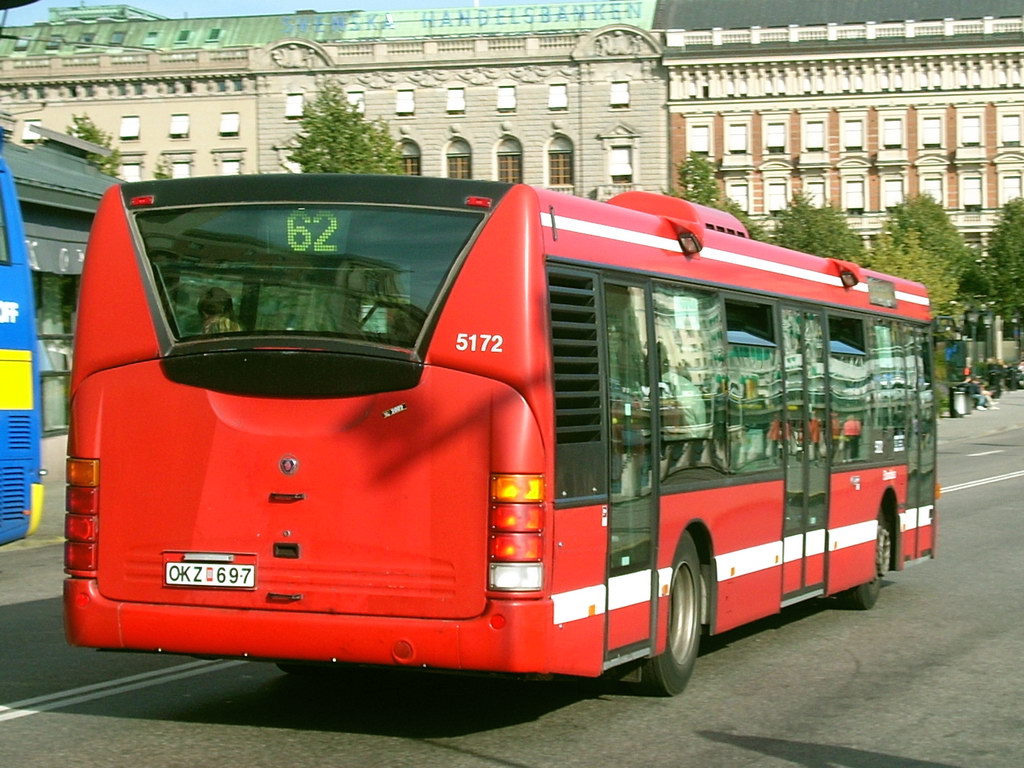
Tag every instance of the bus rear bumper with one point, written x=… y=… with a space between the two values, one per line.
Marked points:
x=511 y=636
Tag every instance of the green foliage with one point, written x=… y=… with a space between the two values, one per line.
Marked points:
x=821 y=231
x=925 y=220
x=1004 y=265
x=910 y=260
x=696 y=182
x=335 y=138
x=695 y=178
x=162 y=169
x=82 y=127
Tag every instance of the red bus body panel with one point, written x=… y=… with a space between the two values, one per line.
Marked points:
x=375 y=550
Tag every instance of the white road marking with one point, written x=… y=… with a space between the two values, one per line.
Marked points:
x=983 y=481
x=62 y=699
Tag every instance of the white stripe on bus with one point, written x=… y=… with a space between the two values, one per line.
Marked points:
x=668 y=244
x=634 y=588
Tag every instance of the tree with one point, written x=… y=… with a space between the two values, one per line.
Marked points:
x=911 y=261
x=923 y=220
x=823 y=231
x=695 y=177
x=334 y=137
x=696 y=182
x=82 y=127
x=1004 y=265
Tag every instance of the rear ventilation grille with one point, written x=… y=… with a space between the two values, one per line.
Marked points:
x=574 y=336
x=19 y=433
x=13 y=493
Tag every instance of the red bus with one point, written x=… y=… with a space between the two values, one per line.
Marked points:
x=464 y=425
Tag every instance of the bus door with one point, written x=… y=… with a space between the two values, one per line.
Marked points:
x=916 y=524
x=804 y=440
x=631 y=579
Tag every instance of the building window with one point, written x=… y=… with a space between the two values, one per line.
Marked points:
x=213 y=35
x=932 y=186
x=181 y=169
x=28 y=133
x=620 y=165
x=775 y=137
x=700 y=139
x=405 y=101
x=970 y=131
x=1009 y=130
x=230 y=167
x=560 y=163
x=931 y=132
x=131 y=171
x=411 y=159
x=814 y=136
x=814 y=191
x=293 y=105
x=459 y=160
x=558 y=96
x=1009 y=188
x=356 y=100
x=456 y=104
x=506 y=98
x=182 y=37
x=739 y=193
x=892 y=192
x=737 y=138
x=853 y=135
x=151 y=37
x=229 y=123
x=892 y=133
x=510 y=162
x=619 y=97
x=777 y=196
x=853 y=196
x=130 y=127
x=971 y=193
x=179 y=127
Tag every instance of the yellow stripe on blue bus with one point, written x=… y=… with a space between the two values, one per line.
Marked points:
x=16 y=380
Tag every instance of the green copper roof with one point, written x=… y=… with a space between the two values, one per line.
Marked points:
x=73 y=32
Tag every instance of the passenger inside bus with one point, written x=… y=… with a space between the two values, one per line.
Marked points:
x=217 y=311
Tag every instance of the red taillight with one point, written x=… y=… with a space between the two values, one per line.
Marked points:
x=81 y=528
x=79 y=556
x=81 y=524
x=141 y=200
x=517 y=517
x=82 y=501
x=516 y=547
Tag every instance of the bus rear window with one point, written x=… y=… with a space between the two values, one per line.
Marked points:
x=357 y=272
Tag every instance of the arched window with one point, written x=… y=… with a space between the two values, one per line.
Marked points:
x=411 y=165
x=459 y=157
x=510 y=161
x=560 y=163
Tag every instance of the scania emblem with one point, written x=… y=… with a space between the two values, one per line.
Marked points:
x=288 y=465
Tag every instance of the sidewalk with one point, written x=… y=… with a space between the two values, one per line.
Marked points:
x=1009 y=415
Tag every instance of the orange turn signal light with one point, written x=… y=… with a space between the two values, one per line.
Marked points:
x=517 y=488
x=83 y=472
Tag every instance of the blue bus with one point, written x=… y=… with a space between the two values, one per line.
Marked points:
x=21 y=488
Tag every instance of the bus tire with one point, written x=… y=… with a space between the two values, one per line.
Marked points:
x=668 y=673
x=864 y=597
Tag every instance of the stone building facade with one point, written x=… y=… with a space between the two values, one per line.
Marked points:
x=859 y=114
x=570 y=95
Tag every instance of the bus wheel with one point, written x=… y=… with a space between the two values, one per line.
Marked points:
x=667 y=674
x=865 y=596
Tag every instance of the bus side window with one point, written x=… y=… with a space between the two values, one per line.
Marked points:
x=850 y=381
x=755 y=388
x=688 y=324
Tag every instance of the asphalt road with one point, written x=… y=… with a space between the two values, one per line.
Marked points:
x=931 y=678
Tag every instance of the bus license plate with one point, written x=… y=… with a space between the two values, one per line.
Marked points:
x=215 y=575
